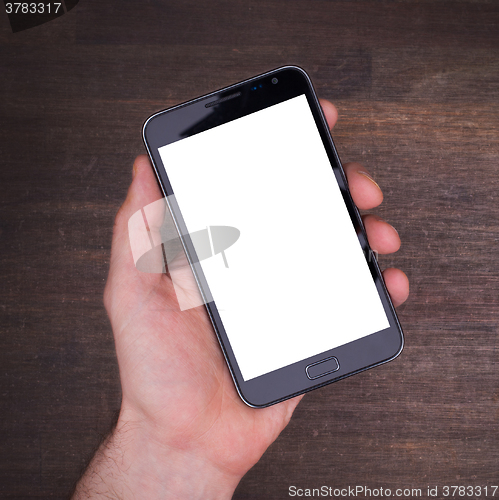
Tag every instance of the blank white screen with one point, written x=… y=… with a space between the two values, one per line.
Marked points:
x=297 y=283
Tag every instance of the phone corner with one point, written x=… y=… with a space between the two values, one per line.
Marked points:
x=252 y=400
x=145 y=125
x=400 y=347
x=298 y=69
x=247 y=402
x=402 y=344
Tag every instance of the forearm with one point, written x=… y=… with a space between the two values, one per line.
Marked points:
x=130 y=465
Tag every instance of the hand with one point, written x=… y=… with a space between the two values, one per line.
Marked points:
x=183 y=432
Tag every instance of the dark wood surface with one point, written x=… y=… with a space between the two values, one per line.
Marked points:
x=417 y=88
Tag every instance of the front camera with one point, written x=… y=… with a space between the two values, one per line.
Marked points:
x=274 y=80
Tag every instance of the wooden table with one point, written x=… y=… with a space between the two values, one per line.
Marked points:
x=417 y=88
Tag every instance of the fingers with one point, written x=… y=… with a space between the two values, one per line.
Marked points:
x=397 y=284
x=330 y=112
x=383 y=238
x=365 y=191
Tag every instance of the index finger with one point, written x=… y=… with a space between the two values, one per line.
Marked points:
x=330 y=112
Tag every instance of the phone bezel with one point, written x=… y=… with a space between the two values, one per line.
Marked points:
x=258 y=93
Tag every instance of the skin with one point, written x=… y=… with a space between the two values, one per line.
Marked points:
x=183 y=432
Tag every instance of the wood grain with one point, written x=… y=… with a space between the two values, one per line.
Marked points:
x=417 y=87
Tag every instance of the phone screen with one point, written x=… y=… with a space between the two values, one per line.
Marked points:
x=297 y=282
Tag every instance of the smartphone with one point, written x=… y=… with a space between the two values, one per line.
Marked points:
x=297 y=300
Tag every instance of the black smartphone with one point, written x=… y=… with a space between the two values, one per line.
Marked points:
x=296 y=297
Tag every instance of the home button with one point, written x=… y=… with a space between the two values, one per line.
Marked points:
x=321 y=368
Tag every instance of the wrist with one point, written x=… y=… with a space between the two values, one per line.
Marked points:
x=162 y=471
x=133 y=463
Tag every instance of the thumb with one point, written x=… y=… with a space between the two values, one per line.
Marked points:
x=143 y=191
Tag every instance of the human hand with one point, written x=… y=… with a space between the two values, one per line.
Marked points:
x=183 y=431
